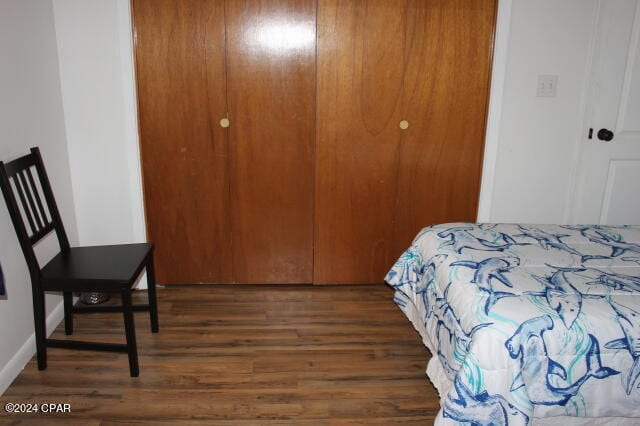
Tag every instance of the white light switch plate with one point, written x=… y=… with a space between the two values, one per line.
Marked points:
x=547 y=86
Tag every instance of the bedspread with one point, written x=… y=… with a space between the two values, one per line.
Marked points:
x=526 y=321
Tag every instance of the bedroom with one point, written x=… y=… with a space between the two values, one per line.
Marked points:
x=70 y=90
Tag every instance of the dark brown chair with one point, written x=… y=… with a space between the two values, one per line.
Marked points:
x=109 y=269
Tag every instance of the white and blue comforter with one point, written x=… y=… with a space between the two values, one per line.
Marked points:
x=526 y=321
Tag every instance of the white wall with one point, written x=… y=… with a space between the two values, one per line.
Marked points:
x=532 y=141
x=30 y=114
x=96 y=72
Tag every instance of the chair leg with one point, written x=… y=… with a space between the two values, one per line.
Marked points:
x=68 y=312
x=151 y=291
x=130 y=332
x=40 y=327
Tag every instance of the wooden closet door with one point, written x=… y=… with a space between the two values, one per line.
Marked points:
x=426 y=62
x=440 y=155
x=180 y=63
x=271 y=88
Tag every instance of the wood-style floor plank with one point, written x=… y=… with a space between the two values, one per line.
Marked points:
x=243 y=355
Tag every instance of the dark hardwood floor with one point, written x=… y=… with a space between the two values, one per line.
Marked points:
x=243 y=355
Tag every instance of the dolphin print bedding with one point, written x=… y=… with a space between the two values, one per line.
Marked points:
x=527 y=324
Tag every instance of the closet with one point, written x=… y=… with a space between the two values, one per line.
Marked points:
x=304 y=141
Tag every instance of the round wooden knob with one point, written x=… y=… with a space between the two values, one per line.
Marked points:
x=404 y=124
x=224 y=122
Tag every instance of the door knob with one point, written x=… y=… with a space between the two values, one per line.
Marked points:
x=224 y=122
x=605 y=135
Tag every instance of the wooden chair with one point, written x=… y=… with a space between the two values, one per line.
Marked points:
x=75 y=269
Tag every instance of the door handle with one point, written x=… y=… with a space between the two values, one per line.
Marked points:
x=605 y=135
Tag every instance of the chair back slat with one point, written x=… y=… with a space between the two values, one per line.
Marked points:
x=36 y=207
x=36 y=194
x=31 y=192
x=21 y=190
x=50 y=200
x=32 y=207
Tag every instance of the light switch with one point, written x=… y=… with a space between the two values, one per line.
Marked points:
x=547 y=86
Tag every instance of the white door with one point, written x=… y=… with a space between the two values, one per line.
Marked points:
x=608 y=174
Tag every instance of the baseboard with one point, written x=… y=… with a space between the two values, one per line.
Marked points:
x=17 y=363
x=141 y=283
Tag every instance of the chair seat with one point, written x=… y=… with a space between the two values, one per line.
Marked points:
x=99 y=268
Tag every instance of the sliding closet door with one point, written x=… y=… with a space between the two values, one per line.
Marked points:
x=402 y=94
x=180 y=65
x=440 y=155
x=271 y=46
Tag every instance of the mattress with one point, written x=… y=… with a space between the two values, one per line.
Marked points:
x=527 y=324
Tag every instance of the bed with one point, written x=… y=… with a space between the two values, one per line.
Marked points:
x=527 y=324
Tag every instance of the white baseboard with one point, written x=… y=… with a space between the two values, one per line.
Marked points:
x=17 y=363
x=142 y=282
